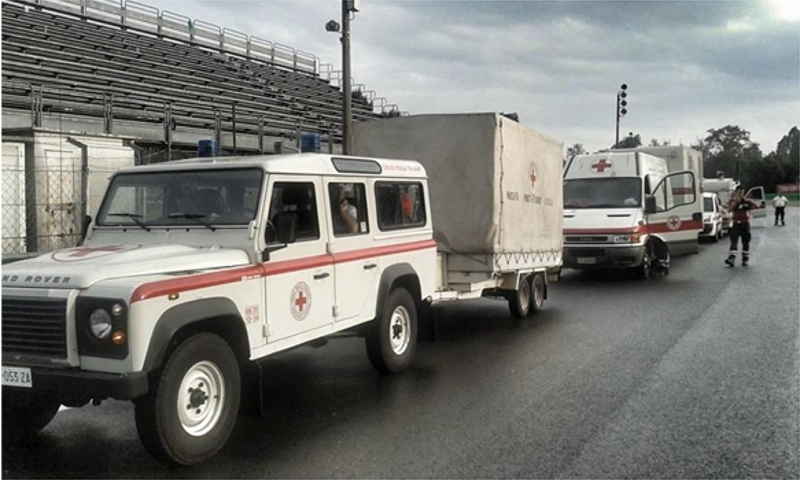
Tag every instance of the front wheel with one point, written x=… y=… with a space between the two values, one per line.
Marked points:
x=193 y=403
x=392 y=338
x=645 y=269
x=25 y=413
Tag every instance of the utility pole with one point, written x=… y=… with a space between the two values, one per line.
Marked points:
x=348 y=7
x=347 y=117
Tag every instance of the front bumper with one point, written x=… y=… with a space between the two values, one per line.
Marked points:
x=66 y=384
x=603 y=256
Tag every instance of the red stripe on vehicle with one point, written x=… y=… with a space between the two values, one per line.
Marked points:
x=205 y=280
x=663 y=227
x=194 y=282
x=382 y=251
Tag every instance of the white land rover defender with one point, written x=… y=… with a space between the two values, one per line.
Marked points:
x=194 y=269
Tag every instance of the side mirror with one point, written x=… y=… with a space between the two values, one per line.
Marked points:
x=649 y=204
x=285 y=227
x=87 y=220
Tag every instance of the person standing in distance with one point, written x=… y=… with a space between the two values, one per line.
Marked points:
x=740 y=207
x=779 y=202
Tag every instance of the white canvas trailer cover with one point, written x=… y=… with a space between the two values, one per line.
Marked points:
x=495 y=185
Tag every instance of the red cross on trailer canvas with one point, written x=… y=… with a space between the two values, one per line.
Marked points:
x=601 y=166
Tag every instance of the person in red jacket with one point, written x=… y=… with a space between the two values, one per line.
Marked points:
x=740 y=207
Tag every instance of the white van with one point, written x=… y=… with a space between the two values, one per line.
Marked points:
x=713 y=217
x=626 y=210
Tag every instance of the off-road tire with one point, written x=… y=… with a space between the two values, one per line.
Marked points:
x=26 y=413
x=537 y=293
x=158 y=421
x=392 y=337
x=520 y=300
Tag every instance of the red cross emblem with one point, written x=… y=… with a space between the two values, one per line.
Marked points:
x=601 y=166
x=80 y=253
x=300 y=301
x=84 y=251
x=533 y=177
x=674 y=223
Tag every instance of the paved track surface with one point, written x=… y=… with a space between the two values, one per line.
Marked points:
x=694 y=376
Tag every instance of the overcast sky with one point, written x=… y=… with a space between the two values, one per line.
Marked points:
x=689 y=65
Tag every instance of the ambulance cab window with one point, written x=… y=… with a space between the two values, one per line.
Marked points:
x=348 y=208
x=400 y=205
x=296 y=199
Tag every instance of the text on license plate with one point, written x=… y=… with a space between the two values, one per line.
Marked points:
x=587 y=260
x=17 y=377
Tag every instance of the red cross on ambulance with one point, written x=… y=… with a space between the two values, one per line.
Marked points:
x=601 y=166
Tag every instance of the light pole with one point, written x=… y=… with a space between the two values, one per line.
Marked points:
x=621 y=110
x=348 y=6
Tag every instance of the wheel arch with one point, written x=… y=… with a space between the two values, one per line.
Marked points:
x=215 y=315
x=399 y=275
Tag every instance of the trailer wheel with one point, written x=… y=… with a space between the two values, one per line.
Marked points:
x=520 y=300
x=25 y=413
x=392 y=337
x=537 y=284
x=193 y=402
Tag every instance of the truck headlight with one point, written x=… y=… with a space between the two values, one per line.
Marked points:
x=622 y=239
x=706 y=220
x=100 y=324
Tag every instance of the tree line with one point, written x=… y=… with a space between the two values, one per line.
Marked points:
x=729 y=152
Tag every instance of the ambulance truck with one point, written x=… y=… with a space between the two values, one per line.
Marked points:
x=622 y=209
x=193 y=271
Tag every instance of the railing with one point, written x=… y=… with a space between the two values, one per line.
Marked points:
x=135 y=15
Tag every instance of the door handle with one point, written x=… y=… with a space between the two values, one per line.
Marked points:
x=320 y=276
x=370 y=266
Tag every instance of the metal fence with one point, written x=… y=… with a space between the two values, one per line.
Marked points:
x=44 y=202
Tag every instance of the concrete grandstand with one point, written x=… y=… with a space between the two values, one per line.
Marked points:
x=123 y=68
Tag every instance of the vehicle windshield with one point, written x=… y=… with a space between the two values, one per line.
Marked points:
x=603 y=193
x=708 y=204
x=198 y=198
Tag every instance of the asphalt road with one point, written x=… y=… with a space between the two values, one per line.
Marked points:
x=690 y=376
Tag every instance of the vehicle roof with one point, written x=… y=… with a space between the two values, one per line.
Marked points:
x=301 y=163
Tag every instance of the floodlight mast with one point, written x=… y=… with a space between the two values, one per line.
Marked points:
x=348 y=6
x=621 y=110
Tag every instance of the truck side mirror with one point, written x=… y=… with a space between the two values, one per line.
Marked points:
x=649 y=204
x=286 y=227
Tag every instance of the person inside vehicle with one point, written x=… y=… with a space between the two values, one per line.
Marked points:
x=345 y=214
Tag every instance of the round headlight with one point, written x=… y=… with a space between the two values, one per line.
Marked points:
x=100 y=324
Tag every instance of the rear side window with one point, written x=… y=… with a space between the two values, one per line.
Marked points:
x=348 y=208
x=400 y=205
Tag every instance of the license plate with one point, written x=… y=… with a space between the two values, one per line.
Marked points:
x=17 y=377
x=587 y=260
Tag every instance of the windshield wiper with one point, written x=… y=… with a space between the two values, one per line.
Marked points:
x=194 y=216
x=133 y=216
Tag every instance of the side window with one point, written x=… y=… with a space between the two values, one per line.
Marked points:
x=674 y=191
x=298 y=199
x=348 y=208
x=400 y=205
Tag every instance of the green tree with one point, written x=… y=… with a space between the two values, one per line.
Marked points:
x=631 y=141
x=727 y=149
x=574 y=150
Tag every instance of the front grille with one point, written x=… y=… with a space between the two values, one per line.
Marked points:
x=586 y=239
x=35 y=326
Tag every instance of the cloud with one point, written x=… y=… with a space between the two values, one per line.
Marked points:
x=691 y=65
